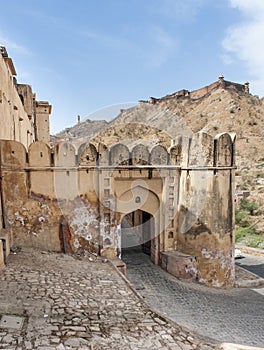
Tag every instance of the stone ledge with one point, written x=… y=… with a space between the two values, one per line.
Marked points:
x=180 y=265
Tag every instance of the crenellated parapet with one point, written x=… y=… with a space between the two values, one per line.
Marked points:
x=201 y=150
x=86 y=193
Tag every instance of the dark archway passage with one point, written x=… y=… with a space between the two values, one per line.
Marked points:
x=137 y=232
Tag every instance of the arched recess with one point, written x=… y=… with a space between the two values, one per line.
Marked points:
x=159 y=155
x=87 y=154
x=140 y=155
x=138 y=197
x=223 y=151
x=64 y=155
x=119 y=155
x=137 y=229
x=139 y=205
x=39 y=154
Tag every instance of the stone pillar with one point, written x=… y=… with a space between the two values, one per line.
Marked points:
x=221 y=80
x=246 y=87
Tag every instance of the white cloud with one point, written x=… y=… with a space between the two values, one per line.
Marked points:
x=244 y=41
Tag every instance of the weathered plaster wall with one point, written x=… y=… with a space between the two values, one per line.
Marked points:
x=15 y=124
x=43 y=111
x=85 y=193
x=20 y=115
x=206 y=215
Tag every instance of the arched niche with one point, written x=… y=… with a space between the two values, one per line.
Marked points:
x=13 y=153
x=64 y=155
x=119 y=155
x=223 y=150
x=175 y=154
x=140 y=155
x=39 y=154
x=159 y=155
x=87 y=154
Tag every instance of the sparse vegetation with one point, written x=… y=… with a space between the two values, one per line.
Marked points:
x=246 y=232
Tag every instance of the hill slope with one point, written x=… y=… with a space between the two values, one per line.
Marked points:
x=220 y=107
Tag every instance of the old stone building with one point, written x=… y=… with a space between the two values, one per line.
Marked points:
x=179 y=201
x=175 y=203
x=22 y=118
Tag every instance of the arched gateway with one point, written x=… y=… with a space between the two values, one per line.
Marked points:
x=186 y=191
x=138 y=232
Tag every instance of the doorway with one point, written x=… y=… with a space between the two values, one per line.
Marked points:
x=137 y=232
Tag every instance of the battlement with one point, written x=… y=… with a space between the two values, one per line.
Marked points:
x=201 y=150
x=202 y=92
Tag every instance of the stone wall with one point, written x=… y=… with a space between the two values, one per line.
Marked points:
x=79 y=197
x=202 y=92
x=21 y=117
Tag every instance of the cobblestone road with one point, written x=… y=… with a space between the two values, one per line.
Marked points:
x=77 y=304
x=235 y=315
x=252 y=263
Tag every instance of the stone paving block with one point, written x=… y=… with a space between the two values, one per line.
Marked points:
x=110 y=316
x=11 y=322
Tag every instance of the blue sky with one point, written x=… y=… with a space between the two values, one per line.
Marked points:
x=83 y=55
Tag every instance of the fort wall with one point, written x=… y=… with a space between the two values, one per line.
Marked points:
x=84 y=194
x=202 y=92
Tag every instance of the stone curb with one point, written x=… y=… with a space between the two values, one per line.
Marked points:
x=249 y=250
x=257 y=282
x=229 y=346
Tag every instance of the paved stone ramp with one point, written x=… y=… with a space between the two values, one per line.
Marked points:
x=233 y=316
x=71 y=303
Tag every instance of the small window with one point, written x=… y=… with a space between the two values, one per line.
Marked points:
x=138 y=199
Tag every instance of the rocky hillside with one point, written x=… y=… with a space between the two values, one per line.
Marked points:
x=81 y=132
x=221 y=107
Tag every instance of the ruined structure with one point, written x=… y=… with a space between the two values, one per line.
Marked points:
x=202 y=92
x=22 y=118
x=180 y=201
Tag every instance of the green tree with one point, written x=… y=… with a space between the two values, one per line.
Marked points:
x=251 y=207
